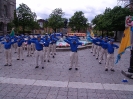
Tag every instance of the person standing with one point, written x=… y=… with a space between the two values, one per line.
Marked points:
x=20 y=42
x=103 y=50
x=54 y=40
x=33 y=45
x=28 y=47
x=46 y=49
x=39 y=50
x=7 y=47
x=110 y=56
x=99 y=39
x=74 y=54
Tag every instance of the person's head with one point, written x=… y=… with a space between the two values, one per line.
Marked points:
x=7 y=39
x=46 y=37
x=111 y=41
x=12 y=28
x=38 y=37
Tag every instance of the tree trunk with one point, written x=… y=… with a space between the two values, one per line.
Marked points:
x=55 y=30
x=102 y=33
x=116 y=36
x=107 y=33
x=78 y=30
x=23 y=29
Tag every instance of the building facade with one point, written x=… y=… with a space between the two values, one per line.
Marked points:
x=7 y=8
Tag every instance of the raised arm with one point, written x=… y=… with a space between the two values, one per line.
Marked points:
x=67 y=41
x=116 y=46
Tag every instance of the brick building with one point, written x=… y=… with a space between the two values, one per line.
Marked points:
x=7 y=8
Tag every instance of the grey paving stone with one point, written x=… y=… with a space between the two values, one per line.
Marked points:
x=63 y=93
x=51 y=97
x=120 y=96
x=53 y=93
x=112 y=95
x=70 y=93
x=31 y=95
x=41 y=96
x=61 y=97
x=22 y=94
x=82 y=90
x=92 y=95
x=12 y=94
x=8 y=98
x=4 y=92
x=82 y=94
x=64 y=89
x=72 y=97
x=83 y=97
x=91 y=91
x=73 y=90
x=129 y=96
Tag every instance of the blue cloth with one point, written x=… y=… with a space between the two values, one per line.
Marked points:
x=38 y=44
x=20 y=42
x=110 y=47
x=46 y=42
x=7 y=45
x=74 y=46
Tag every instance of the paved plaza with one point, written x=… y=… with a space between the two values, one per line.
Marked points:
x=55 y=81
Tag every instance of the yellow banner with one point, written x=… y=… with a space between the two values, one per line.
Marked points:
x=125 y=43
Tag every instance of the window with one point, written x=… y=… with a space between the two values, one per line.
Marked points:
x=1 y=26
x=5 y=10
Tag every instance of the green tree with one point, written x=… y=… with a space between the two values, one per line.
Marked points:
x=112 y=19
x=78 y=21
x=25 y=16
x=55 y=20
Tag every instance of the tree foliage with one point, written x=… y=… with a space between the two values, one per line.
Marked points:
x=24 y=17
x=112 y=19
x=55 y=20
x=78 y=21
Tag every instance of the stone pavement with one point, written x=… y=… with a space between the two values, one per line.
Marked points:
x=55 y=81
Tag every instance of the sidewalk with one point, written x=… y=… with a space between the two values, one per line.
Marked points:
x=55 y=81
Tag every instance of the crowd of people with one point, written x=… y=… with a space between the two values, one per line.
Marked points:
x=104 y=47
x=42 y=46
x=45 y=46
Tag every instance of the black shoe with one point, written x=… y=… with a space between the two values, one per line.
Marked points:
x=100 y=63
x=42 y=67
x=53 y=56
x=27 y=55
x=48 y=61
x=76 y=68
x=22 y=59
x=44 y=60
x=54 y=53
x=96 y=58
x=15 y=52
x=106 y=69
x=10 y=65
x=6 y=65
x=93 y=55
x=37 y=67
x=17 y=59
x=31 y=53
x=91 y=52
x=112 y=70
x=70 y=68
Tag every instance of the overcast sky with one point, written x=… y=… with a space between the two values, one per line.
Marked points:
x=90 y=7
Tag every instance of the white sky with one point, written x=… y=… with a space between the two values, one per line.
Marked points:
x=90 y=7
